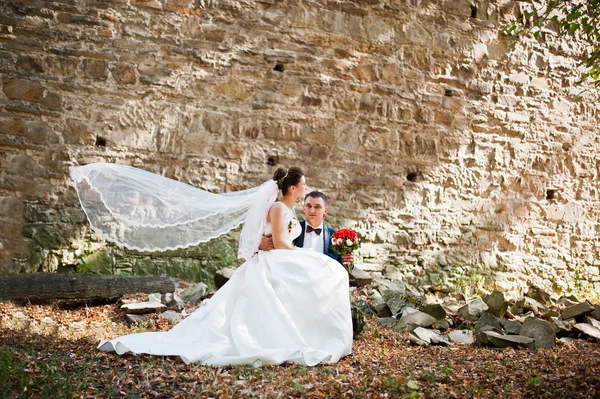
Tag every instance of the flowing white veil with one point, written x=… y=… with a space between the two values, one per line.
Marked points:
x=148 y=212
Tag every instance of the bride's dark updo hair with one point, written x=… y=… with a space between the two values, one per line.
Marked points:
x=286 y=178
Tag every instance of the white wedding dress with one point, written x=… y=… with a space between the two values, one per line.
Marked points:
x=279 y=306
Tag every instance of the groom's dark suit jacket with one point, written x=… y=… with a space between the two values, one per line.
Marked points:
x=326 y=234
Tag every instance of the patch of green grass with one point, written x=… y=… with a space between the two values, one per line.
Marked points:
x=535 y=381
x=26 y=373
x=392 y=384
x=20 y=379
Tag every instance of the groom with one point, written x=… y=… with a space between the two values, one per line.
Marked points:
x=316 y=235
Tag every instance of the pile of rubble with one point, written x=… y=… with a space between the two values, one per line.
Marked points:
x=536 y=320
x=172 y=306
x=533 y=321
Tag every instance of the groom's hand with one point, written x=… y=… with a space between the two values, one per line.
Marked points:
x=348 y=258
x=266 y=243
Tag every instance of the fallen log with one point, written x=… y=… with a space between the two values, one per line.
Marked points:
x=47 y=287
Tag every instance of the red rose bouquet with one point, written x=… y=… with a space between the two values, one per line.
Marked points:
x=344 y=241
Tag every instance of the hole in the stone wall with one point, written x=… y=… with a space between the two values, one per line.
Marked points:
x=100 y=142
x=273 y=160
x=448 y=93
x=412 y=176
x=279 y=67
x=473 y=12
x=550 y=194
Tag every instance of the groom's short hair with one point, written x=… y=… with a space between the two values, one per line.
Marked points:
x=316 y=194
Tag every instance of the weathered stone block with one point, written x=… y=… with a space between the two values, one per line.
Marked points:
x=496 y=303
x=488 y=320
x=125 y=74
x=377 y=30
x=473 y=310
x=29 y=64
x=234 y=89
x=79 y=132
x=414 y=319
x=580 y=309
x=15 y=127
x=95 y=69
x=540 y=330
x=435 y=310
x=23 y=90
x=37 y=132
x=52 y=100
x=492 y=338
x=147 y=3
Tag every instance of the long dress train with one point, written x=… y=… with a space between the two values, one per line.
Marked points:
x=280 y=305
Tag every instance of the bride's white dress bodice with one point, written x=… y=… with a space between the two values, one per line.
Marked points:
x=291 y=226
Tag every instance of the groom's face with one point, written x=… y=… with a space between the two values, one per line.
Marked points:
x=314 y=210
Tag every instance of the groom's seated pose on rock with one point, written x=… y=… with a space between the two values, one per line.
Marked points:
x=316 y=235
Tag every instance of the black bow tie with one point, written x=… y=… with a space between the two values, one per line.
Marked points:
x=309 y=229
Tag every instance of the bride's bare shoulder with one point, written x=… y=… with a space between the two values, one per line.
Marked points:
x=275 y=210
x=277 y=205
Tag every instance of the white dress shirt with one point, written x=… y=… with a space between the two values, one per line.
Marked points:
x=312 y=240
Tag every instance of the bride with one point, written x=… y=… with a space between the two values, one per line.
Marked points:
x=283 y=305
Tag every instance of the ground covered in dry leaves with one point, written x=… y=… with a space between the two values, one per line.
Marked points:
x=50 y=352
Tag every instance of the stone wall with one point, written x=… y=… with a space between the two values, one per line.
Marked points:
x=460 y=161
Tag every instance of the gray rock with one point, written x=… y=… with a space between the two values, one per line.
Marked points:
x=549 y=314
x=566 y=302
x=472 y=310
x=397 y=301
x=175 y=317
x=451 y=307
x=525 y=316
x=222 y=276
x=596 y=313
x=592 y=322
x=511 y=326
x=588 y=330
x=387 y=321
x=408 y=310
x=375 y=296
x=563 y=327
x=365 y=307
x=135 y=318
x=497 y=304
x=441 y=325
x=540 y=330
x=424 y=337
x=155 y=297
x=417 y=340
x=462 y=337
x=360 y=277
x=412 y=320
x=581 y=309
x=488 y=319
x=492 y=338
x=538 y=294
x=514 y=310
x=382 y=310
x=530 y=304
x=194 y=294
x=435 y=310
x=174 y=301
x=492 y=328
x=382 y=285
x=143 y=307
